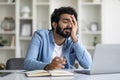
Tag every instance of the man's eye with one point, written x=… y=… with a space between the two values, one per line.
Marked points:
x=65 y=21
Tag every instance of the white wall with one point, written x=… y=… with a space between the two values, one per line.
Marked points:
x=111 y=21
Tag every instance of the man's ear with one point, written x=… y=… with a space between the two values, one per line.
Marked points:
x=54 y=24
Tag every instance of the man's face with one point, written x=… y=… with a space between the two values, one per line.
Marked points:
x=64 y=26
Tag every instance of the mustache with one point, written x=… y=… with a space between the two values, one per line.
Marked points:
x=67 y=28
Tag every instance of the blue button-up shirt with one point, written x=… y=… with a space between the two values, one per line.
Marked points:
x=41 y=48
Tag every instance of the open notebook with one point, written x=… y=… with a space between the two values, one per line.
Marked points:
x=39 y=73
x=106 y=60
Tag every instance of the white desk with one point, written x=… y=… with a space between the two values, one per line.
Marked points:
x=18 y=75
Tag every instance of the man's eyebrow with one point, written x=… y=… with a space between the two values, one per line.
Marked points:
x=66 y=19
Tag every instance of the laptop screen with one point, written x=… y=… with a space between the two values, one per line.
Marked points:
x=106 y=59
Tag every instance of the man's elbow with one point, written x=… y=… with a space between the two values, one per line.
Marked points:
x=26 y=65
x=88 y=65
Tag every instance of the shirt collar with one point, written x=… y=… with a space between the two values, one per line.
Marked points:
x=51 y=36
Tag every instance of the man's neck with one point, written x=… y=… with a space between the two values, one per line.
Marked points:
x=59 y=40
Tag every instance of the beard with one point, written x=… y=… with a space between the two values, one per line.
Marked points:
x=63 y=33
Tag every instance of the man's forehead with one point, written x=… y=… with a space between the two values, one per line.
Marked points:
x=65 y=16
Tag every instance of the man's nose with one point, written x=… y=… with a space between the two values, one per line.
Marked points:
x=69 y=24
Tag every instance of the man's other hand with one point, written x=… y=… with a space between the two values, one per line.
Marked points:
x=57 y=63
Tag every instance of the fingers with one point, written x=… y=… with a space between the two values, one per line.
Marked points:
x=73 y=20
x=59 y=60
x=59 y=66
x=58 y=63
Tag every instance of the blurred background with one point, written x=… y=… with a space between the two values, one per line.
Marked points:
x=98 y=23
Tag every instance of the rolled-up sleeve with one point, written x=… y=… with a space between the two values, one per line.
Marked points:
x=83 y=56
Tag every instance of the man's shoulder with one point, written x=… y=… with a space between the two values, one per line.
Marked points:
x=44 y=34
x=42 y=31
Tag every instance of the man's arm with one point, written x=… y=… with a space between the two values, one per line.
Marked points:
x=82 y=54
x=32 y=54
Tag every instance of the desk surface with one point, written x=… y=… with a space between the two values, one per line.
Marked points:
x=19 y=75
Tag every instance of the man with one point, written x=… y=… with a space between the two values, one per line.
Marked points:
x=60 y=47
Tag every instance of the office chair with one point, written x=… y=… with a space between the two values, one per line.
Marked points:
x=15 y=64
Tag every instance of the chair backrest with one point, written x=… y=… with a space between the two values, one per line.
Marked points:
x=15 y=64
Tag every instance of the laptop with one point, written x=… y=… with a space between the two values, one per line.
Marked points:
x=106 y=60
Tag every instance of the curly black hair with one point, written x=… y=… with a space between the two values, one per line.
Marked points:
x=55 y=17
